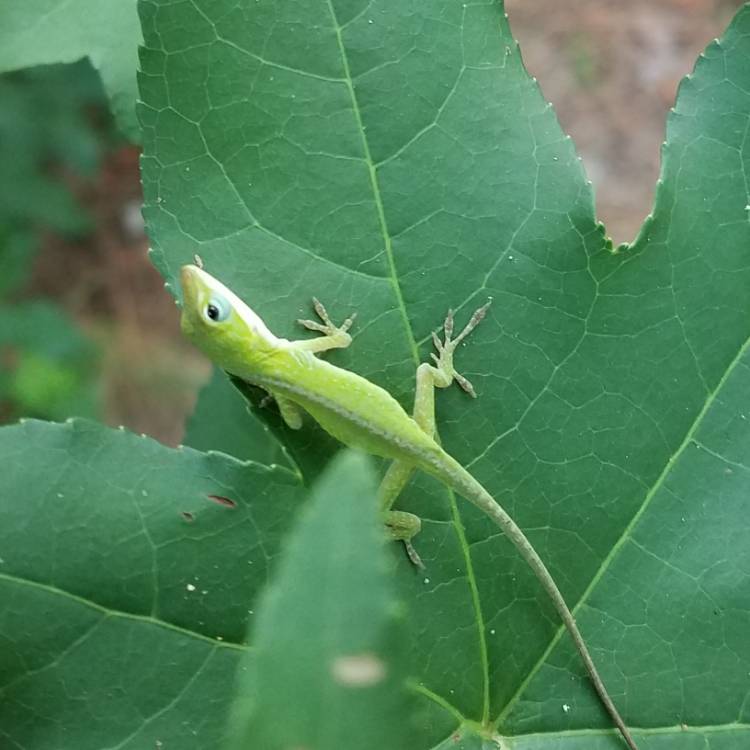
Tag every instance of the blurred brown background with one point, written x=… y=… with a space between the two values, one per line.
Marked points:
x=610 y=68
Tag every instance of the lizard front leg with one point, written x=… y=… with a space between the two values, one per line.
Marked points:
x=334 y=337
x=401 y=525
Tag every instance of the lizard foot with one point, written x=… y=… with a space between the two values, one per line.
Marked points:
x=404 y=527
x=444 y=358
x=327 y=327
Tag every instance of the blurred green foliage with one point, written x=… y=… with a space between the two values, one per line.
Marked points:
x=104 y=32
x=49 y=365
x=45 y=130
x=49 y=135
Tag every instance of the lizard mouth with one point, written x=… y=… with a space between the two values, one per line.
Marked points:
x=192 y=298
x=190 y=283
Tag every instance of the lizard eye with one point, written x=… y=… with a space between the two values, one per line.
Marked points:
x=217 y=310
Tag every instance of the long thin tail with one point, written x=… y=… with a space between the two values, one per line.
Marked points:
x=465 y=484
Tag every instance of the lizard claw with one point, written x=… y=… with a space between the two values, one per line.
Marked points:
x=347 y=324
x=448 y=326
x=313 y=325
x=465 y=384
x=413 y=555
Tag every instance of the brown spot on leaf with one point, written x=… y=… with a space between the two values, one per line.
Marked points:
x=221 y=500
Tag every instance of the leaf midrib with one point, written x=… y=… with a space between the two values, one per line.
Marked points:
x=471 y=578
x=349 y=82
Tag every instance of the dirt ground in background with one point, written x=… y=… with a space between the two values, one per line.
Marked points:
x=610 y=68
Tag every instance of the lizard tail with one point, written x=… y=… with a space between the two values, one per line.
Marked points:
x=465 y=485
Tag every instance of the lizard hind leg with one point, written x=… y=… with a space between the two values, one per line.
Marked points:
x=401 y=525
x=442 y=373
x=290 y=412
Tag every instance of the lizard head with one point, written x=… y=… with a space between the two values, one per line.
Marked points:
x=219 y=323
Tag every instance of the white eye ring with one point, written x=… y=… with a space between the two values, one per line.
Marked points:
x=217 y=310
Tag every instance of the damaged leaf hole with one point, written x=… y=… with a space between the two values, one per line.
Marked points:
x=218 y=499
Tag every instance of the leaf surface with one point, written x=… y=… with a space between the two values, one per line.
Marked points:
x=396 y=158
x=127 y=572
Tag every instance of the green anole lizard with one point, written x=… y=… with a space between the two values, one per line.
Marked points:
x=359 y=413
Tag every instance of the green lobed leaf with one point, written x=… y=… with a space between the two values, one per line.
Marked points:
x=395 y=157
x=328 y=636
x=44 y=32
x=127 y=576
